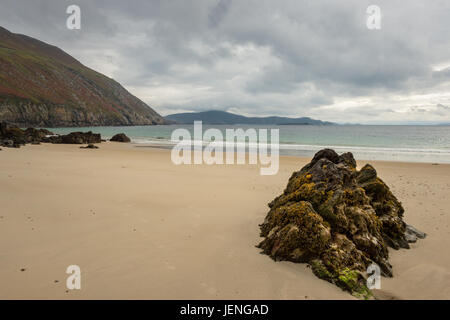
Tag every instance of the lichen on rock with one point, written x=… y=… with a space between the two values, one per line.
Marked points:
x=337 y=219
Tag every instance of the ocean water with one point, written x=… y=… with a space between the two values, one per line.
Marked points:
x=374 y=142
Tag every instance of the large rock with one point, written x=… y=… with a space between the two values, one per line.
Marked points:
x=337 y=219
x=35 y=136
x=120 y=137
x=76 y=138
x=13 y=136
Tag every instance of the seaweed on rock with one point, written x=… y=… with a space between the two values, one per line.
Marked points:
x=337 y=219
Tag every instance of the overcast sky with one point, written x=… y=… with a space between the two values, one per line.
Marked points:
x=255 y=57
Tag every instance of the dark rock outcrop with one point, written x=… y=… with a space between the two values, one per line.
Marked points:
x=337 y=219
x=120 y=137
x=75 y=138
x=14 y=137
x=35 y=136
x=11 y=136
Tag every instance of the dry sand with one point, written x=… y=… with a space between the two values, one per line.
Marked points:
x=141 y=227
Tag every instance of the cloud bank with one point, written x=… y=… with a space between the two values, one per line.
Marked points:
x=260 y=57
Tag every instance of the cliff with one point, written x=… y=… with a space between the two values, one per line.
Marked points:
x=42 y=86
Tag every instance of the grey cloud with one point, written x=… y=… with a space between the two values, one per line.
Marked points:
x=218 y=12
x=263 y=57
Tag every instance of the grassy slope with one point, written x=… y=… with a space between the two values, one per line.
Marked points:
x=33 y=71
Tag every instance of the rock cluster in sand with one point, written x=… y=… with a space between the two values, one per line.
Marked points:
x=14 y=137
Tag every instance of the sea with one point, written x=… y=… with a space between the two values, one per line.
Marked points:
x=430 y=144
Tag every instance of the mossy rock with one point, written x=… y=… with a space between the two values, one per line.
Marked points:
x=337 y=219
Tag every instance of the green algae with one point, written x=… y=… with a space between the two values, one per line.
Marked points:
x=337 y=219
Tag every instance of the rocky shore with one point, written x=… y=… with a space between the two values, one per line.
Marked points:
x=15 y=137
x=338 y=220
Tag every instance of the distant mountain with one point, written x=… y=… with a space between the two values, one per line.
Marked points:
x=222 y=117
x=41 y=85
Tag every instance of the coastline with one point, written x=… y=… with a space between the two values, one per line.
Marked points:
x=141 y=227
x=304 y=159
x=423 y=144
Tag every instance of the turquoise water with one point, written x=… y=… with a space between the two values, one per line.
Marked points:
x=393 y=143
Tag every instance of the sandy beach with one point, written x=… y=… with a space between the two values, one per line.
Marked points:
x=141 y=227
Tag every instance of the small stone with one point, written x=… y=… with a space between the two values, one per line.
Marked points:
x=412 y=234
x=90 y=146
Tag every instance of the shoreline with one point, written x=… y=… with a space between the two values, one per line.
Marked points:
x=302 y=158
x=137 y=146
x=141 y=227
x=386 y=144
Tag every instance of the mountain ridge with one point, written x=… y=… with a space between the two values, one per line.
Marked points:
x=223 y=117
x=43 y=86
